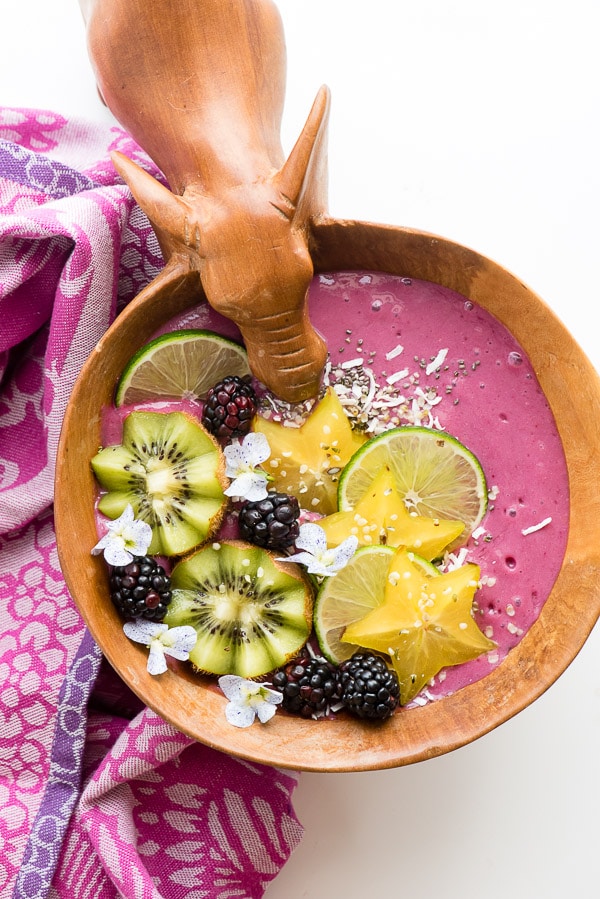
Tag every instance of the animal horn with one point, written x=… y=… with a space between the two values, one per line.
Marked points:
x=303 y=177
x=167 y=211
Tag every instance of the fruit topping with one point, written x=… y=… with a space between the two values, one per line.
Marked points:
x=180 y=365
x=306 y=461
x=141 y=589
x=251 y=613
x=367 y=687
x=309 y=686
x=424 y=623
x=171 y=471
x=433 y=472
x=356 y=590
x=381 y=516
x=229 y=408
x=375 y=511
x=271 y=522
x=349 y=596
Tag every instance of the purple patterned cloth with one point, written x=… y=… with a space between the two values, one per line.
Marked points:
x=99 y=797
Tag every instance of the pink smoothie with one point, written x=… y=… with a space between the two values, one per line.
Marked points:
x=411 y=352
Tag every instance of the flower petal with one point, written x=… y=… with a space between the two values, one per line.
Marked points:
x=317 y=568
x=125 y=538
x=115 y=553
x=273 y=696
x=312 y=538
x=231 y=685
x=265 y=712
x=258 y=490
x=234 y=459
x=98 y=548
x=255 y=448
x=313 y=564
x=179 y=639
x=142 y=631
x=249 y=485
x=157 y=664
x=140 y=533
x=181 y=654
x=239 y=715
x=125 y=518
x=344 y=552
x=303 y=558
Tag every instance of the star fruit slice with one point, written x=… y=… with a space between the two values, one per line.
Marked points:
x=424 y=624
x=434 y=473
x=307 y=461
x=354 y=591
x=381 y=516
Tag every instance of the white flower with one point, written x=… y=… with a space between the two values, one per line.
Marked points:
x=318 y=559
x=127 y=537
x=248 y=700
x=162 y=641
x=243 y=459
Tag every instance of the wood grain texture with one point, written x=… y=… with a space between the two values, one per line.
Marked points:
x=200 y=86
x=193 y=705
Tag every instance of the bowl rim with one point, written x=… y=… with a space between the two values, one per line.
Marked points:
x=572 y=388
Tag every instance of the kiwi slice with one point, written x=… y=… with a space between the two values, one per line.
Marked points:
x=251 y=613
x=172 y=471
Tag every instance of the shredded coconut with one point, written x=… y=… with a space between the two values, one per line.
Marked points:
x=397 y=376
x=455 y=560
x=419 y=700
x=536 y=527
x=435 y=363
x=395 y=352
x=352 y=363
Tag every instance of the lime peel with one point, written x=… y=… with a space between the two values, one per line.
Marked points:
x=353 y=592
x=424 y=624
x=436 y=475
x=180 y=365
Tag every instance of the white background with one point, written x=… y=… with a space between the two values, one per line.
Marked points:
x=477 y=121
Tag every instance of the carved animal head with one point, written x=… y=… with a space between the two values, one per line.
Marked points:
x=249 y=243
x=199 y=84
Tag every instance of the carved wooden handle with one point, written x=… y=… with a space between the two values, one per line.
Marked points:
x=199 y=84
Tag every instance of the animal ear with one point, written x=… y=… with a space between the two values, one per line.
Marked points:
x=168 y=212
x=303 y=177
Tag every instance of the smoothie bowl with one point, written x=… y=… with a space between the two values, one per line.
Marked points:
x=424 y=333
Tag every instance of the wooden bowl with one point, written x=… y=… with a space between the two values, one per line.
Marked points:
x=572 y=389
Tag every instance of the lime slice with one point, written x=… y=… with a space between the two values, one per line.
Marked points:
x=180 y=365
x=435 y=474
x=351 y=594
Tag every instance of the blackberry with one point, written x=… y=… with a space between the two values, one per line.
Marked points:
x=272 y=522
x=309 y=686
x=141 y=589
x=229 y=408
x=367 y=687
